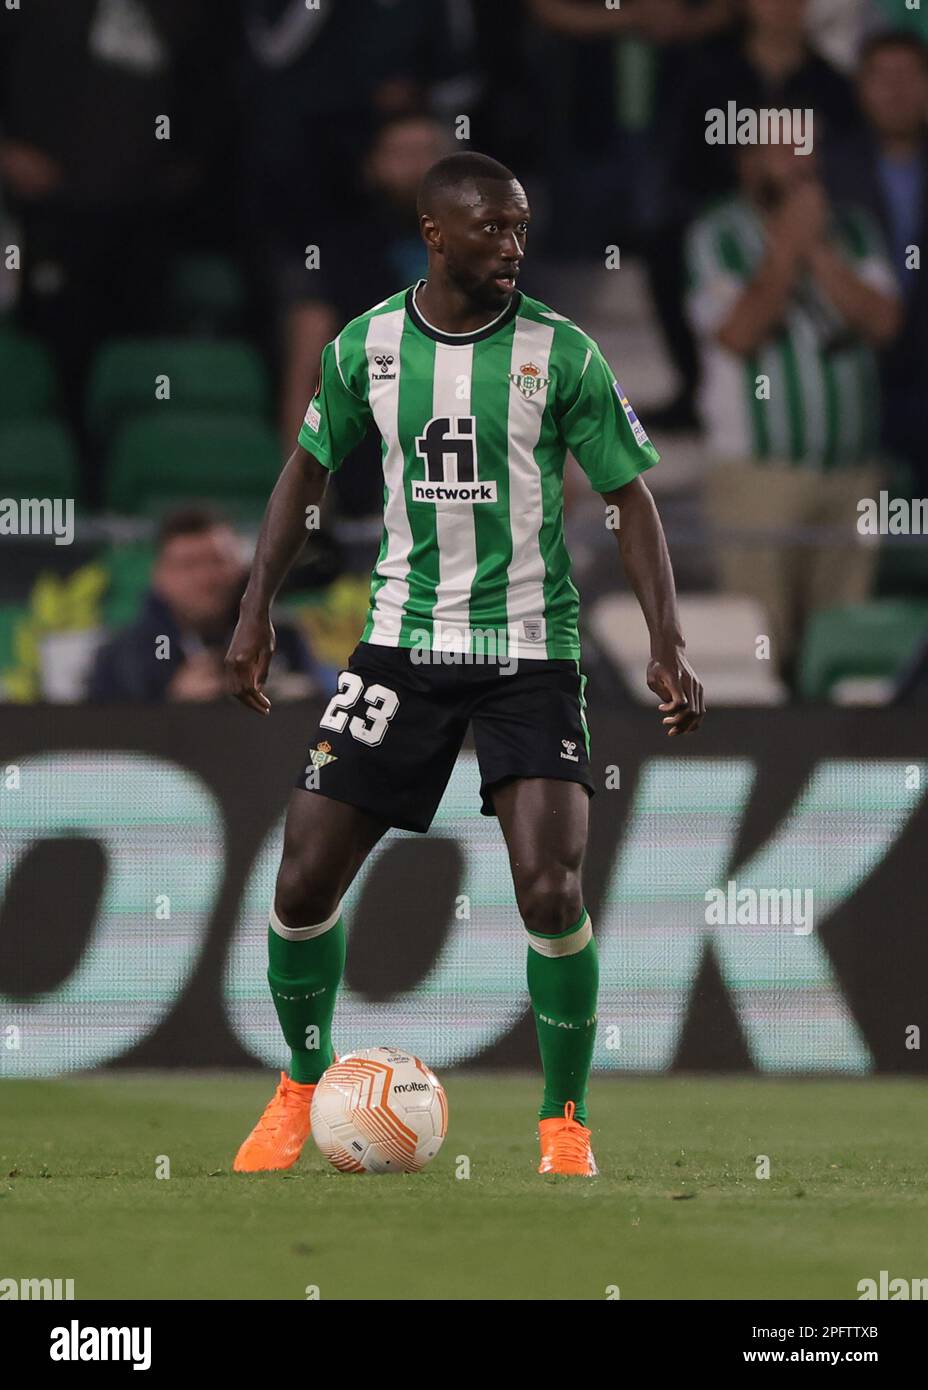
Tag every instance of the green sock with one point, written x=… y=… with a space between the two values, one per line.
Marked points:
x=563 y=982
x=304 y=977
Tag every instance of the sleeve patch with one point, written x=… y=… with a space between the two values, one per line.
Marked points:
x=638 y=429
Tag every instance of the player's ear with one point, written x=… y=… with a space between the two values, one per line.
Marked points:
x=431 y=232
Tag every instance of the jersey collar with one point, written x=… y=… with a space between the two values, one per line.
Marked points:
x=460 y=339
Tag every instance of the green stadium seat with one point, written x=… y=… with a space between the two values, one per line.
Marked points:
x=39 y=460
x=866 y=640
x=202 y=375
x=161 y=460
x=129 y=568
x=28 y=385
x=206 y=294
x=11 y=615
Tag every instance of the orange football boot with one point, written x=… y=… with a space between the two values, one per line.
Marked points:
x=565 y=1145
x=277 y=1139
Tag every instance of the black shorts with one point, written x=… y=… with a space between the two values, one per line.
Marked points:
x=388 y=740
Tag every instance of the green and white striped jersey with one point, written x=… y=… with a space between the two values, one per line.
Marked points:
x=810 y=395
x=474 y=429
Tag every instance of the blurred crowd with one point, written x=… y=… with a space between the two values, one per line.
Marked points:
x=289 y=139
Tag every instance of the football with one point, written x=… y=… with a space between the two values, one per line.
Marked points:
x=379 y=1111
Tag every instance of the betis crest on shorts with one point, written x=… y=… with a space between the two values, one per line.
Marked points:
x=322 y=754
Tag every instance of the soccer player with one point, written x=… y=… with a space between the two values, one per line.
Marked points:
x=477 y=392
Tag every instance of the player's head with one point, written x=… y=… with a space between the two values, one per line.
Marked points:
x=198 y=566
x=474 y=215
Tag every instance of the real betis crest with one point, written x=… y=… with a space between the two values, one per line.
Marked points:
x=322 y=754
x=528 y=379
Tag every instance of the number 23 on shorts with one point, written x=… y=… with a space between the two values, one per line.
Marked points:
x=382 y=704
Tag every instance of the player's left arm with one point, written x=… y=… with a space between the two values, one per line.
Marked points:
x=646 y=561
x=598 y=424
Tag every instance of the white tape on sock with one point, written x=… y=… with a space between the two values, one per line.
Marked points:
x=303 y=933
x=562 y=945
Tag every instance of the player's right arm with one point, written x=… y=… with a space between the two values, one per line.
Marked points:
x=301 y=485
x=336 y=420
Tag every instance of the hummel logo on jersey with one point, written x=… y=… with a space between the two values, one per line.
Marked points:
x=569 y=750
x=383 y=361
x=528 y=379
x=450 y=437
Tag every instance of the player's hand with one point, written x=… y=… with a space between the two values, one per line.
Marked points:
x=672 y=677
x=248 y=659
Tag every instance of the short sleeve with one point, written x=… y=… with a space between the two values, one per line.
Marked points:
x=602 y=431
x=336 y=419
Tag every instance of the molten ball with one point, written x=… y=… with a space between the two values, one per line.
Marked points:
x=379 y=1111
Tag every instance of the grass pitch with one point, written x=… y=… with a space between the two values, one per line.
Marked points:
x=676 y=1213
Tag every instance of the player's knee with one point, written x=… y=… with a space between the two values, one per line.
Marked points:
x=304 y=895
x=551 y=900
